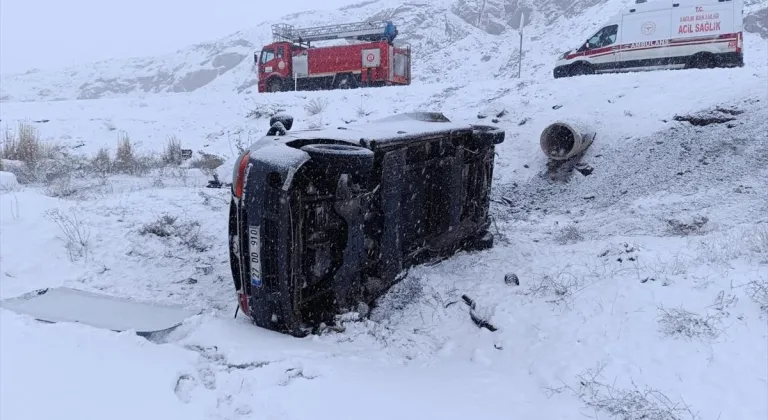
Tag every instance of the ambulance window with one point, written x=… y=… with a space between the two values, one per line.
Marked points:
x=604 y=37
x=267 y=55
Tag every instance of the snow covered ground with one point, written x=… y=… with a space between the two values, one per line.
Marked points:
x=643 y=285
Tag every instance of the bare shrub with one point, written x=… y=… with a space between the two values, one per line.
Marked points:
x=76 y=234
x=316 y=106
x=146 y=163
x=569 y=235
x=27 y=151
x=686 y=324
x=20 y=169
x=759 y=240
x=758 y=291
x=125 y=160
x=207 y=163
x=264 y=111
x=193 y=237
x=24 y=145
x=187 y=233
x=633 y=403
x=361 y=110
x=163 y=226
x=724 y=247
x=61 y=187
x=561 y=286
x=102 y=162
x=239 y=144
x=172 y=153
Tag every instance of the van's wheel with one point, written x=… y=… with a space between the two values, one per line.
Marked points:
x=341 y=158
x=581 y=69
x=275 y=85
x=701 y=61
x=346 y=81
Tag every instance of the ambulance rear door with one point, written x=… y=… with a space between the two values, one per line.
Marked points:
x=645 y=38
x=704 y=19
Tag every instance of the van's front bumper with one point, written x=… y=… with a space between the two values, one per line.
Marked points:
x=261 y=242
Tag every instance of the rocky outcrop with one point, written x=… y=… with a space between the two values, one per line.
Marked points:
x=757 y=22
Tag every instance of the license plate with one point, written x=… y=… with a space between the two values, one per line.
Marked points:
x=254 y=241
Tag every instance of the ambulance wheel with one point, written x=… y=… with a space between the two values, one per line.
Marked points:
x=346 y=81
x=275 y=85
x=701 y=61
x=581 y=69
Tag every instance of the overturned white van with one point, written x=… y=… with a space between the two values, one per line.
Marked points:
x=662 y=34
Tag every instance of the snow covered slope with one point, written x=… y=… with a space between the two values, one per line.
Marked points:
x=642 y=285
x=454 y=41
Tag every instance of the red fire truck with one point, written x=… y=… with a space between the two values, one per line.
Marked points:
x=370 y=58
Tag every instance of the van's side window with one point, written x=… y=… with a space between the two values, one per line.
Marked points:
x=604 y=37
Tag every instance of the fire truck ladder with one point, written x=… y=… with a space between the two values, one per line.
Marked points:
x=362 y=31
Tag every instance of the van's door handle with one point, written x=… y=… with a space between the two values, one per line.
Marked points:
x=631 y=10
x=675 y=4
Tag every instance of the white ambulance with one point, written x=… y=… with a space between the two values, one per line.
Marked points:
x=662 y=34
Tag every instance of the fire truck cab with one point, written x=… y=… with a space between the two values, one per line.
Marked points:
x=369 y=58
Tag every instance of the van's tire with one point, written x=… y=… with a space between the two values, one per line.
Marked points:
x=275 y=85
x=702 y=61
x=345 y=81
x=341 y=158
x=581 y=69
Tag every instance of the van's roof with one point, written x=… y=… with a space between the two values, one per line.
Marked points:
x=399 y=127
x=395 y=127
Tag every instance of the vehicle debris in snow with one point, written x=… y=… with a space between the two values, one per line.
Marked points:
x=584 y=169
x=719 y=115
x=481 y=323
x=511 y=278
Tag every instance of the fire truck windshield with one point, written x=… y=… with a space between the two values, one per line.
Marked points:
x=267 y=55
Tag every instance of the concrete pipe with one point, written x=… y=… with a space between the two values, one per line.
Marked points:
x=564 y=140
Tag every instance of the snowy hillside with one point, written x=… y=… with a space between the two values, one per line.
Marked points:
x=642 y=285
x=454 y=41
x=643 y=268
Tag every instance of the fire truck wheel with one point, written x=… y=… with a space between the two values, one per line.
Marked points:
x=344 y=157
x=275 y=85
x=346 y=81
